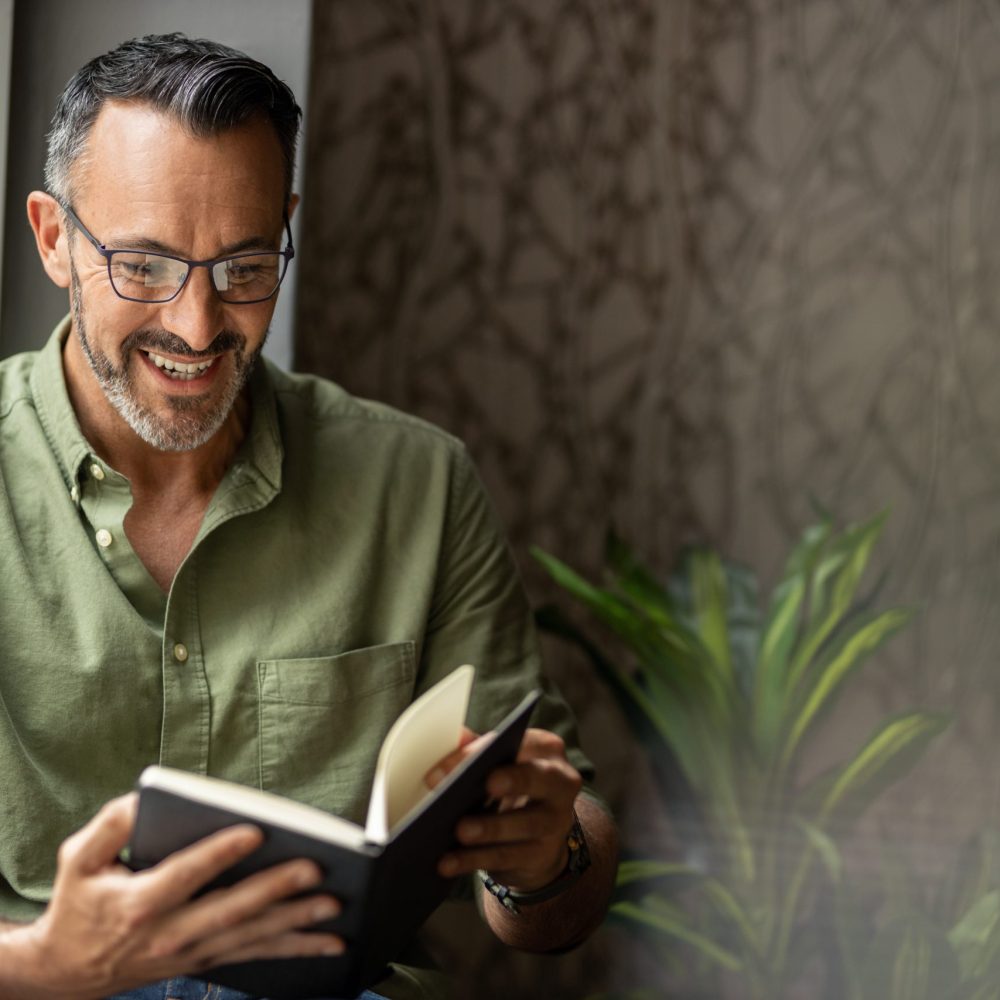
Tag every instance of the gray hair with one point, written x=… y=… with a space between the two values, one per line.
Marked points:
x=207 y=87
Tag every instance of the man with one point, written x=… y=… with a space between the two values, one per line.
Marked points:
x=217 y=566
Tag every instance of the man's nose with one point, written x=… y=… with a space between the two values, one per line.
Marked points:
x=196 y=313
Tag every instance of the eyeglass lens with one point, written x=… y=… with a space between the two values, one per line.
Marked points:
x=150 y=277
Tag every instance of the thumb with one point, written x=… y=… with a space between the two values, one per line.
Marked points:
x=468 y=744
x=97 y=845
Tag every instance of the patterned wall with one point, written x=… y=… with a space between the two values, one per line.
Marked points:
x=689 y=266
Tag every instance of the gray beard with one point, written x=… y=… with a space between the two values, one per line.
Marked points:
x=193 y=422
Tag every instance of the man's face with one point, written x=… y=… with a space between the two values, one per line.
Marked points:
x=145 y=183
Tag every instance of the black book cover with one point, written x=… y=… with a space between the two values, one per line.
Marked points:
x=386 y=890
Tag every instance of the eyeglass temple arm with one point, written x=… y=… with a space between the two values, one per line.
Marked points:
x=92 y=240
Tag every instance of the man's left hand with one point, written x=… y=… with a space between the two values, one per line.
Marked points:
x=523 y=844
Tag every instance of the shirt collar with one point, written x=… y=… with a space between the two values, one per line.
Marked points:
x=262 y=449
x=58 y=419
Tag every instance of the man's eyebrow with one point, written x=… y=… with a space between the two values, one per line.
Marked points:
x=148 y=245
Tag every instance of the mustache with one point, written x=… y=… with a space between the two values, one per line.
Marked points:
x=162 y=341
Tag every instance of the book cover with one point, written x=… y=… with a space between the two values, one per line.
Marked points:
x=384 y=874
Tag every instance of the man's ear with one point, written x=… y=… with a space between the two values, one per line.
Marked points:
x=293 y=203
x=45 y=216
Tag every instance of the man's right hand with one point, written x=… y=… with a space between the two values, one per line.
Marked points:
x=108 y=929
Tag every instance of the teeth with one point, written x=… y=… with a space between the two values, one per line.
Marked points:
x=178 y=370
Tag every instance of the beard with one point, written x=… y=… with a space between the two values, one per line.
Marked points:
x=193 y=420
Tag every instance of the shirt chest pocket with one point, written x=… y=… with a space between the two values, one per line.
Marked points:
x=322 y=721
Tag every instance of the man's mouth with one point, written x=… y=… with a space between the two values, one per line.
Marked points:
x=179 y=371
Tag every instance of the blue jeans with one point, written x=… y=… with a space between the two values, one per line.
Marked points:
x=195 y=989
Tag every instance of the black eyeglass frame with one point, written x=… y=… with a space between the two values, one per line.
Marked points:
x=287 y=254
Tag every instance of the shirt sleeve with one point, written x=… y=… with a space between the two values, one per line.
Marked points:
x=480 y=615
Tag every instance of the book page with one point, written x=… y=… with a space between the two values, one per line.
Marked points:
x=429 y=729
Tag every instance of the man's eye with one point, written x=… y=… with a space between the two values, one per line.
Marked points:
x=130 y=270
x=144 y=270
x=257 y=271
x=240 y=273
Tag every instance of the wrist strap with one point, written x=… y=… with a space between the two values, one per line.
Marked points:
x=578 y=863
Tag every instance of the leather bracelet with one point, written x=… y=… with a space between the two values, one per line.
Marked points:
x=578 y=863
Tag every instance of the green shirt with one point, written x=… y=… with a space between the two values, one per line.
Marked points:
x=347 y=561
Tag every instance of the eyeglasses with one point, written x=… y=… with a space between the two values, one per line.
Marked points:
x=241 y=279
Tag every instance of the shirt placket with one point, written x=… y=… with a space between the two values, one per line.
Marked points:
x=186 y=732
x=106 y=498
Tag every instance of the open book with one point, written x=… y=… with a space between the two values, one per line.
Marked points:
x=384 y=874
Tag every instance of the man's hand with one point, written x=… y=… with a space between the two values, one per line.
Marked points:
x=107 y=929
x=523 y=845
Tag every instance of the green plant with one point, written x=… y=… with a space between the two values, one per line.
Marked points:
x=933 y=939
x=727 y=699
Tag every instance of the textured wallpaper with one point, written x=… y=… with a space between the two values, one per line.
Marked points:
x=690 y=269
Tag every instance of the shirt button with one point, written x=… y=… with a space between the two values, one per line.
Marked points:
x=180 y=652
x=97 y=472
x=104 y=538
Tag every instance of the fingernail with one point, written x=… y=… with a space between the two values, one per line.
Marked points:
x=325 y=909
x=435 y=776
x=249 y=836
x=471 y=830
x=500 y=785
x=307 y=875
x=335 y=948
x=448 y=866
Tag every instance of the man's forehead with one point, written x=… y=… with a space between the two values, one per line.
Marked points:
x=135 y=147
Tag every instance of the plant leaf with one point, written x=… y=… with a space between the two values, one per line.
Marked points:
x=743 y=620
x=687 y=702
x=779 y=635
x=679 y=878
x=975 y=872
x=729 y=907
x=673 y=922
x=647 y=872
x=672 y=736
x=910 y=960
x=892 y=750
x=824 y=846
x=976 y=937
x=833 y=587
x=708 y=582
x=781 y=631
x=637 y=583
x=674 y=654
x=654 y=715
x=552 y=619
x=845 y=658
